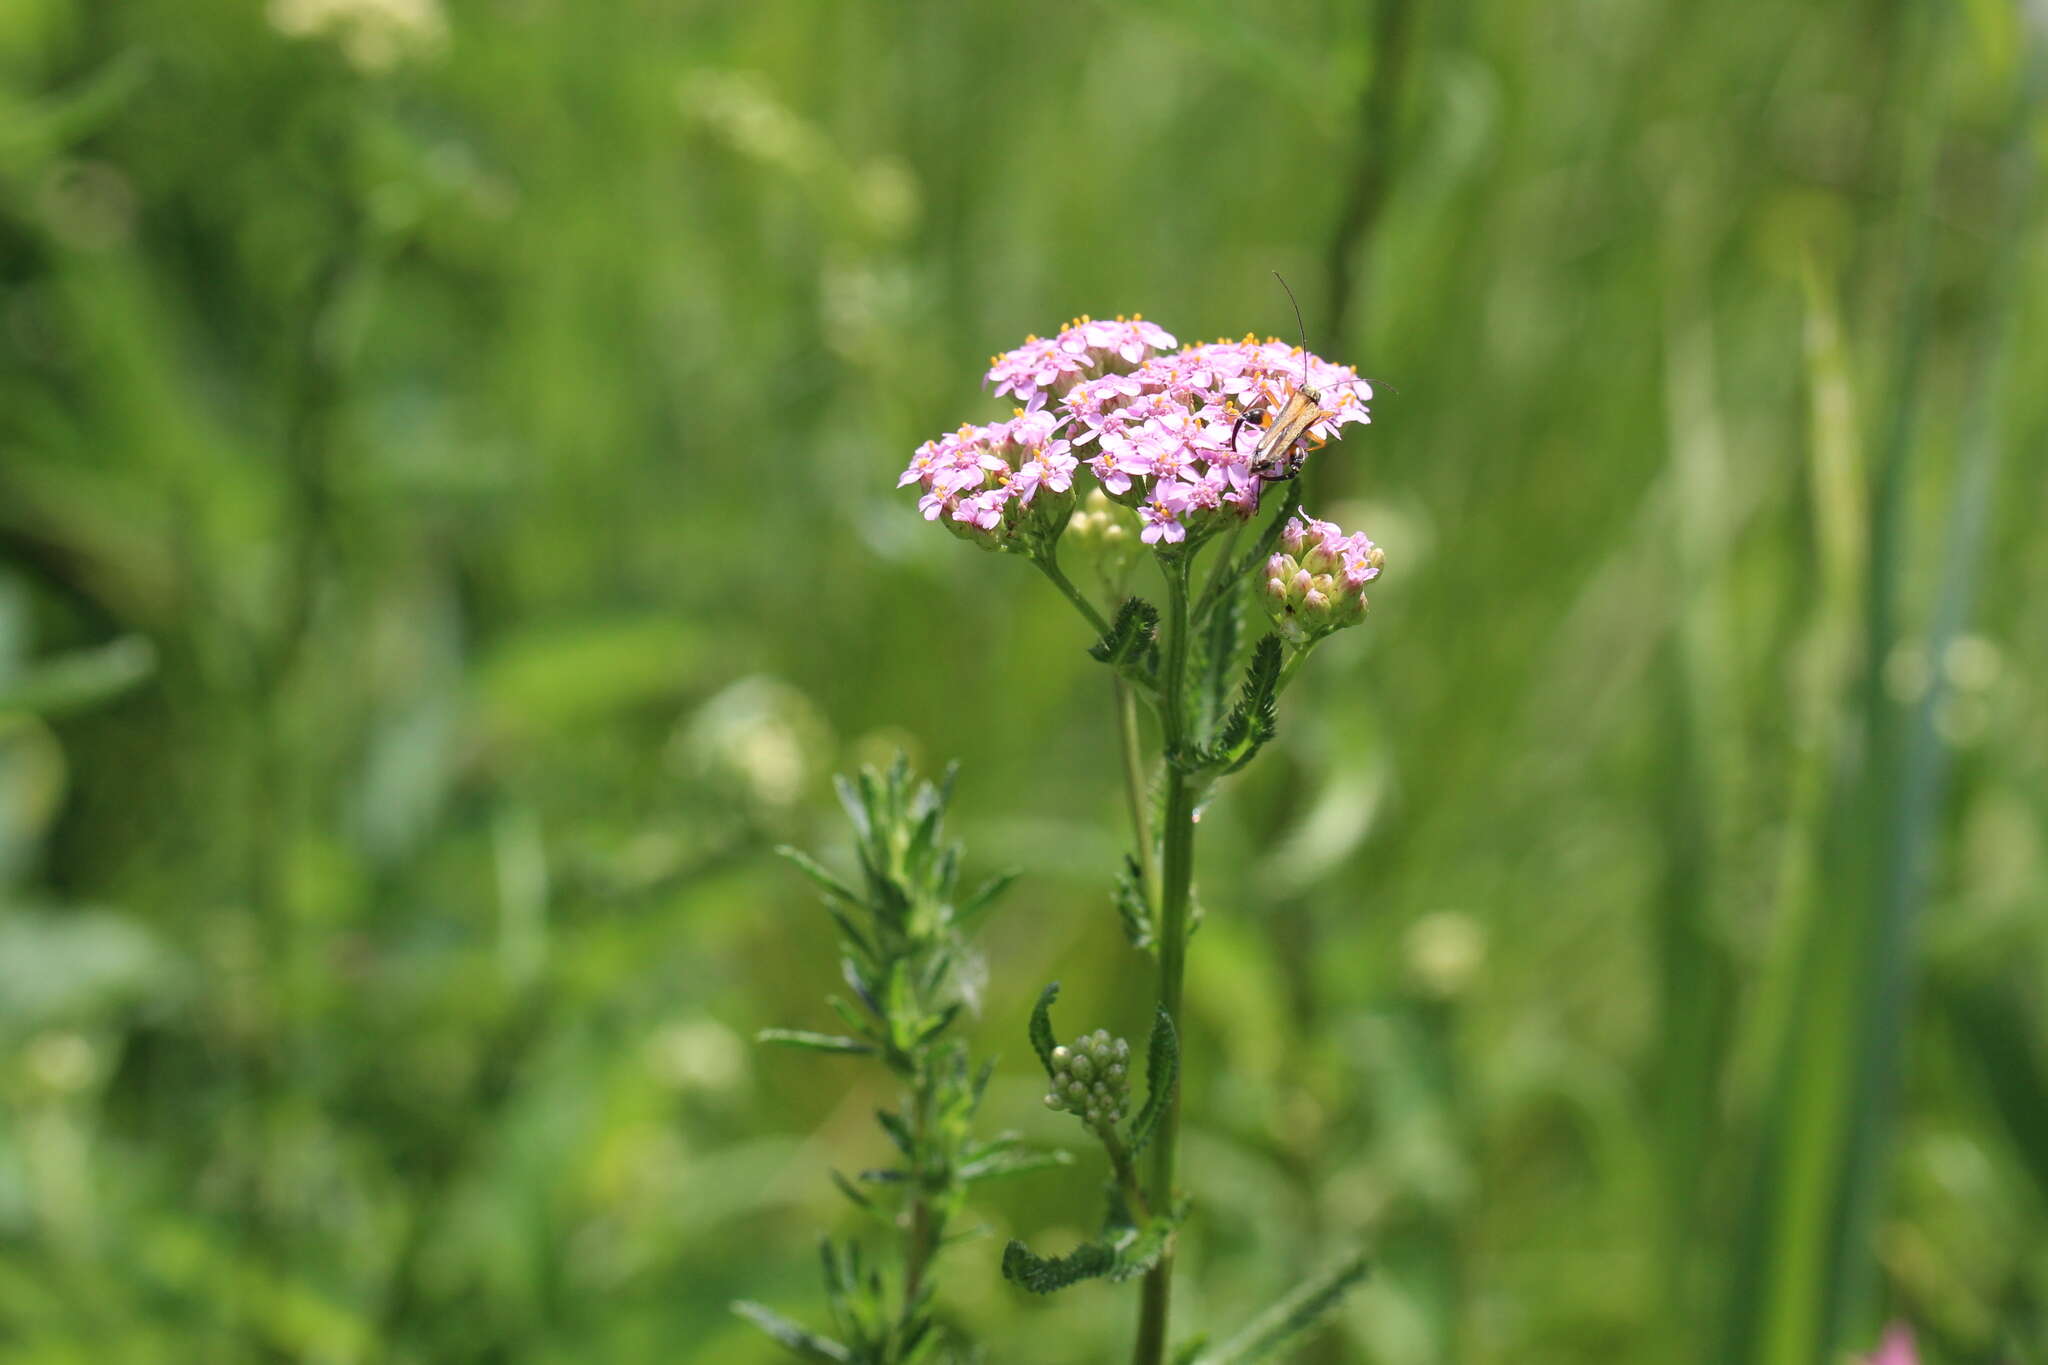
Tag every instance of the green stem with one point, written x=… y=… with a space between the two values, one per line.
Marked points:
x=1049 y=564
x=1218 y=574
x=1176 y=879
x=1126 y=1174
x=921 y=1237
x=1292 y=666
x=1134 y=793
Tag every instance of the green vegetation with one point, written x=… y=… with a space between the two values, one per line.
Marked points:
x=448 y=539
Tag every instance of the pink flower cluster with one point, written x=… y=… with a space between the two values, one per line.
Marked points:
x=1171 y=433
x=1083 y=348
x=985 y=479
x=1316 y=582
x=1171 y=437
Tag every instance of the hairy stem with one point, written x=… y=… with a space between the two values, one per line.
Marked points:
x=1049 y=564
x=1176 y=877
x=1295 y=658
x=1134 y=793
x=920 y=1238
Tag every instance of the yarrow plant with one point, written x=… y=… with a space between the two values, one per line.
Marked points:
x=1125 y=446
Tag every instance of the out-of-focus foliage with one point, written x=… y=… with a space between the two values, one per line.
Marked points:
x=447 y=534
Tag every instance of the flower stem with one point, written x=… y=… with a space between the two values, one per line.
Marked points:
x=1048 y=562
x=1176 y=878
x=1134 y=792
x=920 y=1237
x=1295 y=659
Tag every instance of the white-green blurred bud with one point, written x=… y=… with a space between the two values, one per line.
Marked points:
x=1105 y=536
x=1445 y=952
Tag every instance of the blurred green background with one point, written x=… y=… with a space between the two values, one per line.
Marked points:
x=448 y=534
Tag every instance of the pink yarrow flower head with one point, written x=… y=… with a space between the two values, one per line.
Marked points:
x=1083 y=349
x=999 y=484
x=1315 y=581
x=1186 y=420
x=1173 y=434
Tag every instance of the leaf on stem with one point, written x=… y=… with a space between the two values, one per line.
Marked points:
x=807 y=1344
x=1041 y=1026
x=1132 y=645
x=1162 y=1073
x=851 y=1191
x=1049 y=1274
x=826 y=881
x=1011 y=1162
x=814 y=1042
x=1132 y=907
x=898 y=1131
x=1137 y=1252
x=1251 y=722
x=1279 y=1326
x=986 y=896
x=938 y=1025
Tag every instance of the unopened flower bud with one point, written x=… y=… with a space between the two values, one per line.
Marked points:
x=1090 y=1078
x=1103 y=533
x=1316 y=584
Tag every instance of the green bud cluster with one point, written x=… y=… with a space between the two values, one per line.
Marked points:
x=1106 y=535
x=1091 y=1079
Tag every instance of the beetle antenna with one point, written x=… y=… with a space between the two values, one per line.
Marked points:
x=1298 y=323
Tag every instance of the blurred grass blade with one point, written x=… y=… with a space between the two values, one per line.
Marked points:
x=72 y=682
x=806 y=1344
x=1282 y=1324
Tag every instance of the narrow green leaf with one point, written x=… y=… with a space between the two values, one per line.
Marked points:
x=919 y=1340
x=1012 y=1163
x=985 y=896
x=843 y=1007
x=1131 y=906
x=851 y=1191
x=72 y=682
x=1041 y=1026
x=857 y=979
x=819 y=874
x=924 y=837
x=855 y=939
x=814 y=1042
x=898 y=1131
x=806 y=1344
x=1279 y=1326
x=939 y=1025
x=1162 y=1073
x=853 y=801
